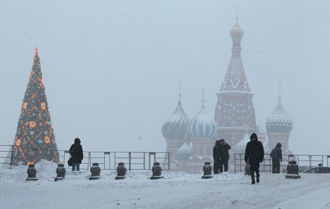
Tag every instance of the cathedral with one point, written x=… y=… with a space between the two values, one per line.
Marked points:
x=191 y=141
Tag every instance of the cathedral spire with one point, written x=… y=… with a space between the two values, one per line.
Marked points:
x=235 y=79
x=235 y=97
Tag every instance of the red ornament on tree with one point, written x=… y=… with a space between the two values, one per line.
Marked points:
x=36 y=49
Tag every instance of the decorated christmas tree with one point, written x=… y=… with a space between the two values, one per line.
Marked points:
x=35 y=138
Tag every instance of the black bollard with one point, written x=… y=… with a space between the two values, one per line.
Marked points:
x=95 y=170
x=121 y=171
x=207 y=168
x=156 y=171
x=293 y=169
x=32 y=173
x=60 y=170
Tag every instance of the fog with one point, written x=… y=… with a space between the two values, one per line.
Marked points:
x=111 y=69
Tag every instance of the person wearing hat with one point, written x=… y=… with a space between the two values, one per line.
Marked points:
x=224 y=155
x=276 y=155
x=76 y=152
x=254 y=154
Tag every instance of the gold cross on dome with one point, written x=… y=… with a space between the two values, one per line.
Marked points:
x=279 y=96
x=203 y=97
x=179 y=91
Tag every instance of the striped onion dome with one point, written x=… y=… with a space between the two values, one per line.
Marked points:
x=176 y=126
x=202 y=125
x=241 y=145
x=279 y=120
x=184 y=152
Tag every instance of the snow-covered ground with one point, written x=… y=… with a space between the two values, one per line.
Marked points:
x=176 y=190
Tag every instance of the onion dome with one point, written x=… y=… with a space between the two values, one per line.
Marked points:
x=202 y=125
x=176 y=126
x=279 y=121
x=236 y=31
x=241 y=145
x=184 y=152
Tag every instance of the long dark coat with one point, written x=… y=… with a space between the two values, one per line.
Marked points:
x=276 y=153
x=216 y=151
x=254 y=152
x=76 y=152
x=223 y=151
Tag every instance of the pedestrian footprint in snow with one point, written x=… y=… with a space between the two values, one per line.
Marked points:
x=254 y=155
x=276 y=155
x=76 y=152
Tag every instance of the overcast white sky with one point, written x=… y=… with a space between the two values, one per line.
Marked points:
x=111 y=68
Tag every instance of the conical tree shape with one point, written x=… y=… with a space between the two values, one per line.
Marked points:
x=35 y=138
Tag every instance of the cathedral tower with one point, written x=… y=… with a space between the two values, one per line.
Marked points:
x=235 y=98
x=202 y=130
x=279 y=126
x=174 y=131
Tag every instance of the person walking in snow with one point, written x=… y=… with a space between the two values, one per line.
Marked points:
x=276 y=155
x=254 y=154
x=216 y=157
x=224 y=155
x=76 y=152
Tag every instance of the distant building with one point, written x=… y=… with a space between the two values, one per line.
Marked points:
x=174 y=131
x=279 y=126
x=234 y=108
x=202 y=130
x=234 y=121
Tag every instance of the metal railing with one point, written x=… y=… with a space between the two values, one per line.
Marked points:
x=303 y=161
x=6 y=154
x=106 y=160
x=132 y=160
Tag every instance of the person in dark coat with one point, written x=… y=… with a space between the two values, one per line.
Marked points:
x=224 y=155
x=216 y=157
x=76 y=152
x=254 y=154
x=276 y=155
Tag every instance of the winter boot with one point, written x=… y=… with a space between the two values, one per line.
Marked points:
x=258 y=179
x=252 y=175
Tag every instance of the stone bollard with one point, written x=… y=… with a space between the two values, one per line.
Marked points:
x=293 y=169
x=95 y=170
x=60 y=172
x=156 y=171
x=31 y=171
x=207 y=168
x=121 y=171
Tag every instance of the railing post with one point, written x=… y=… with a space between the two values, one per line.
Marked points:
x=115 y=159
x=129 y=160
x=234 y=163
x=149 y=160
x=310 y=161
x=144 y=160
x=240 y=163
x=12 y=156
x=89 y=160
x=169 y=164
